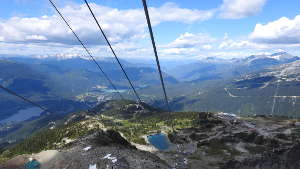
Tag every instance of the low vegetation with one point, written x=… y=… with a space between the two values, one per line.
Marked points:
x=132 y=129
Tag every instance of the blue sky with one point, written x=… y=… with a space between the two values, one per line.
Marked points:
x=189 y=28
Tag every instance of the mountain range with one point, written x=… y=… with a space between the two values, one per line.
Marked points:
x=261 y=84
x=258 y=85
x=59 y=81
x=255 y=85
x=124 y=134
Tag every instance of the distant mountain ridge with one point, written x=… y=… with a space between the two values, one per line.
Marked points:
x=201 y=82
x=212 y=68
x=274 y=90
x=47 y=79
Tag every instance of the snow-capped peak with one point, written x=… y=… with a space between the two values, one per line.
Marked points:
x=62 y=56
x=281 y=56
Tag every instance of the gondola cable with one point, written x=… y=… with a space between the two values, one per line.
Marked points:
x=88 y=52
x=156 y=57
x=25 y=99
x=112 y=50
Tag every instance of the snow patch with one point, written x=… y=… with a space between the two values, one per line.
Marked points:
x=109 y=157
x=94 y=166
x=87 y=148
x=230 y=94
x=185 y=160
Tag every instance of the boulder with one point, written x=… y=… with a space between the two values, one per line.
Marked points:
x=246 y=136
x=178 y=139
x=259 y=140
x=293 y=158
x=198 y=136
x=111 y=137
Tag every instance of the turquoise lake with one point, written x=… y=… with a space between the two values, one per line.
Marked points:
x=159 y=141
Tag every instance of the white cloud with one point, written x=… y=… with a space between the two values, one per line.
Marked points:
x=188 y=44
x=38 y=49
x=207 y=46
x=171 y=12
x=120 y=25
x=18 y=29
x=48 y=36
x=35 y=37
x=62 y=56
x=236 y=9
x=240 y=44
x=188 y=40
x=178 y=51
x=202 y=45
x=281 y=31
x=228 y=54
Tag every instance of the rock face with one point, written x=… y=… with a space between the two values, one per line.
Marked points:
x=284 y=159
x=111 y=137
x=103 y=149
x=208 y=141
x=228 y=142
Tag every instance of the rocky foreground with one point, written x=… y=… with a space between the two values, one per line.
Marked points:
x=101 y=150
x=213 y=141
x=227 y=142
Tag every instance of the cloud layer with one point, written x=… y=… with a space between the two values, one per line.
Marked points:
x=120 y=25
x=127 y=30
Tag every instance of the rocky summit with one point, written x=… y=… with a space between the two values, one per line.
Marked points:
x=115 y=135
x=103 y=149
x=225 y=141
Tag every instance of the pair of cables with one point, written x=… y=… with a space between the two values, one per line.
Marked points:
x=112 y=50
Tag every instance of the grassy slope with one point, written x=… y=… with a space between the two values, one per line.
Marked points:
x=133 y=129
